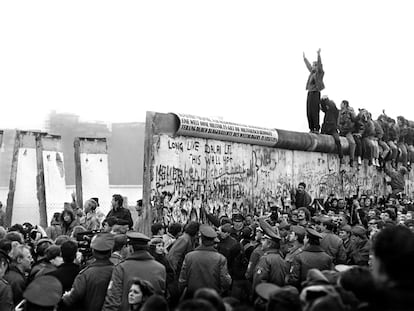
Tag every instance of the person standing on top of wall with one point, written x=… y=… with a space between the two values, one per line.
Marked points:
x=314 y=86
x=330 y=123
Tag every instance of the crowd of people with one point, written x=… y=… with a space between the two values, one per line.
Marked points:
x=378 y=141
x=352 y=253
x=341 y=254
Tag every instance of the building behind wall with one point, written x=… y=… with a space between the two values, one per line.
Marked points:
x=125 y=146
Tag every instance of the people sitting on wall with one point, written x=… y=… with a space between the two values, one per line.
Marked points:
x=402 y=128
x=346 y=125
x=367 y=136
x=330 y=123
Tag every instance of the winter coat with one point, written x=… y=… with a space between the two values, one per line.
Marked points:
x=253 y=261
x=392 y=132
x=6 y=296
x=66 y=274
x=271 y=269
x=91 y=222
x=333 y=246
x=358 y=251
x=204 y=267
x=122 y=215
x=315 y=79
x=54 y=230
x=359 y=125
x=379 y=132
x=67 y=229
x=330 y=120
x=385 y=128
x=409 y=138
x=139 y=264
x=293 y=252
x=403 y=133
x=17 y=281
x=313 y=256
x=302 y=199
x=90 y=286
x=346 y=120
x=369 y=130
x=177 y=252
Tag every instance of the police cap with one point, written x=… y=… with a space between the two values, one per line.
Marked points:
x=208 y=232
x=313 y=233
x=264 y=290
x=103 y=242
x=137 y=238
x=268 y=230
x=45 y=291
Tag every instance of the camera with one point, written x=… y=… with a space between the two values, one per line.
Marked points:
x=84 y=240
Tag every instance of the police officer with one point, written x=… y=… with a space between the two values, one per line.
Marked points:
x=205 y=266
x=238 y=225
x=272 y=267
x=6 y=295
x=313 y=256
x=43 y=294
x=330 y=242
x=139 y=264
x=296 y=237
x=89 y=288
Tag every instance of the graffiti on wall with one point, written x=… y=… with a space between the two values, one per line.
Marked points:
x=191 y=176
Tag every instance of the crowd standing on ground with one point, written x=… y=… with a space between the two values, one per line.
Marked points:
x=342 y=254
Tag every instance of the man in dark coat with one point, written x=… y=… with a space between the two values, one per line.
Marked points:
x=205 y=267
x=140 y=264
x=359 y=247
x=331 y=243
x=228 y=246
x=302 y=198
x=6 y=294
x=183 y=246
x=393 y=269
x=312 y=257
x=122 y=215
x=90 y=286
x=330 y=123
x=314 y=86
x=16 y=275
x=67 y=272
x=271 y=267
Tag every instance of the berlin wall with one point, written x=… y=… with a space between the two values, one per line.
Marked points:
x=37 y=178
x=92 y=171
x=192 y=162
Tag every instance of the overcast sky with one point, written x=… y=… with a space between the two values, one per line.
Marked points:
x=241 y=60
